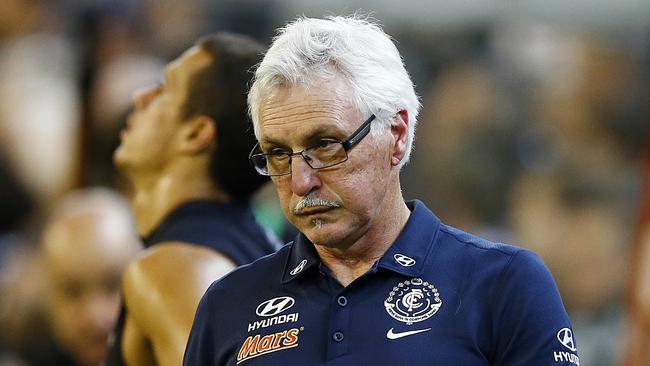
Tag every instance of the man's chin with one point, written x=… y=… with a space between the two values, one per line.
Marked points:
x=321 y=233
x=119 y=158
x=124 y=162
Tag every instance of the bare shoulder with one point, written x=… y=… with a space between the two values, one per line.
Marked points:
x=168 y=280
x=172 y=262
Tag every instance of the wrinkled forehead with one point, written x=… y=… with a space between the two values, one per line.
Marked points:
x=290 y=108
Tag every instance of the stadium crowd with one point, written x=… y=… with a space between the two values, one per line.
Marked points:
x=532 y=132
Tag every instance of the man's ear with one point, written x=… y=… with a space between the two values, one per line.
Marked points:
x=198 y=134
x=399 y=128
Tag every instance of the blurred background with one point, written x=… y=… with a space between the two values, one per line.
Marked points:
x=533 y=130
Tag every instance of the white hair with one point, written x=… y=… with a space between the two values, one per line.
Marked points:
x=311 y=51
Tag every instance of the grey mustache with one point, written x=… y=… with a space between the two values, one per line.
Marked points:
x=309 y=201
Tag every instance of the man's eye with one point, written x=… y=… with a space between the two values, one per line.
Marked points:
x=325 y=143
x=277 y=151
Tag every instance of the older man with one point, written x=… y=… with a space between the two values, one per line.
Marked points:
x=370 y=279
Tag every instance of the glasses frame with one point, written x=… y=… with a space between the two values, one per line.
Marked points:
x=348 y=144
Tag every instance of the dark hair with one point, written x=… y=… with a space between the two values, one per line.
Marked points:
x=219 y=92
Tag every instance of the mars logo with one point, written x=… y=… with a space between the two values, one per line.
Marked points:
x=274 y=306
x=257 y=345
x=565 y=336
x=413 y=301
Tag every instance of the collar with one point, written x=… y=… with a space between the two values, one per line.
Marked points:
x=302 y=257
x=411 y=250
x=407 y=255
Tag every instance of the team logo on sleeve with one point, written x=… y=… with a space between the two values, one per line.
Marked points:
x=565 y=336
x=413 y=301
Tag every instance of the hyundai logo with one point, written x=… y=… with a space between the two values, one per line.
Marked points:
x=298 y=268
x=404 y=260
x=565 y=336
x=274 y=306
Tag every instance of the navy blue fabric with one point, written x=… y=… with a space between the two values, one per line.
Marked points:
x=229 y=228
x=439 y=296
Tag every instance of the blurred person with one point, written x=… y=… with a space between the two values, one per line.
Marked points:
x=87 y=243
x=535 y=214
x=584 y=94
x=22 y=319
x=596 y=227
x=576 y=220
x=185 y=151
x=586 y=113
x=469 y=164
x=637 y=341
x=371 y=279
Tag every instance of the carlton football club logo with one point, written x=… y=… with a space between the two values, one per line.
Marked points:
x=413 y=301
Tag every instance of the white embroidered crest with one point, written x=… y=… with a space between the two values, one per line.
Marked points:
x=413 y=301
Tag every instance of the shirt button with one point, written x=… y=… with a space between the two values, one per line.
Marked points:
x=342 y=300
x=337 y=336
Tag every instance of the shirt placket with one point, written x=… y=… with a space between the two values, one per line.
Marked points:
x=339 y=326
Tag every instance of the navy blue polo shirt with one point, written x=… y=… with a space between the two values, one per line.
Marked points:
x=438 y=296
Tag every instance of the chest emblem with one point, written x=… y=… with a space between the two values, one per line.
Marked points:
x=413 y=301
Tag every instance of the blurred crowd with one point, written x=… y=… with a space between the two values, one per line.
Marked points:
x=531 y=133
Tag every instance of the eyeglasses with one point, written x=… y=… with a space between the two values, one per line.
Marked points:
x=325 y=154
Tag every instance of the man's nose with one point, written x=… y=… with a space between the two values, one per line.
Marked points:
x=142 y=97
x=304 y=178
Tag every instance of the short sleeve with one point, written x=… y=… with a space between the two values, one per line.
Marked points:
x=530 y=325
